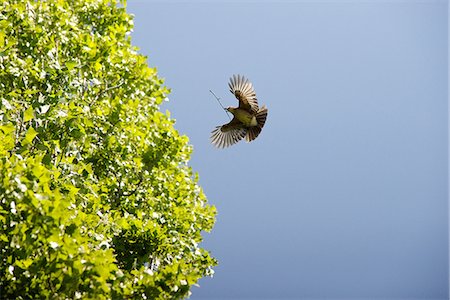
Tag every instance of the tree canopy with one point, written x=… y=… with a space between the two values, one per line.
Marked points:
x=97 y=199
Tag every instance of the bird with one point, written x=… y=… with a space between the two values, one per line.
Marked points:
x=248 y=118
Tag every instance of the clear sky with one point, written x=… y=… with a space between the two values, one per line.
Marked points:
x=344 y=193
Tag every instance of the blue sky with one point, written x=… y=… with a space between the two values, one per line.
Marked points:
x=344 y=193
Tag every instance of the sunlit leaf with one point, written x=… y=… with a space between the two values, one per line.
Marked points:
x=29 y=136
x=28 y=114
x=70 y=65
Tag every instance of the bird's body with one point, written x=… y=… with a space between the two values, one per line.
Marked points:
x=244 y=116
x=248 y=118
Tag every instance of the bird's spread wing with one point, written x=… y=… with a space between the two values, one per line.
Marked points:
x=228 y=134
x=243 y=90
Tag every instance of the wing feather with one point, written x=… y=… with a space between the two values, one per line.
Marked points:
x=243 y=90
x=228 y=134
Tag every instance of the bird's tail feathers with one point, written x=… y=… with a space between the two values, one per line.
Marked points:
x=254 y=131
x=261 y=116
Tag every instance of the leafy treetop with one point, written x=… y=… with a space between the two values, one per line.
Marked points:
x=97 y=200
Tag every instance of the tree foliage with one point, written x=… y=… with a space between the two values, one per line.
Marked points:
x=97 y=199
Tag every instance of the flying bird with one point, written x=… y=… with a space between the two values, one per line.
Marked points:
x=248 y=118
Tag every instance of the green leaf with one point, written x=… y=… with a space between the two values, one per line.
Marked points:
x=47 y=159
x=7 y=128
x=70 y=65
x=29 y=136
x=28 y=114
x=97 y=66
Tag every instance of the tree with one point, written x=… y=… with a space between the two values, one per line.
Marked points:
x=97 y=199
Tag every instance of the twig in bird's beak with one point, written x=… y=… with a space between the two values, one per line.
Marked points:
x=218 y=100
